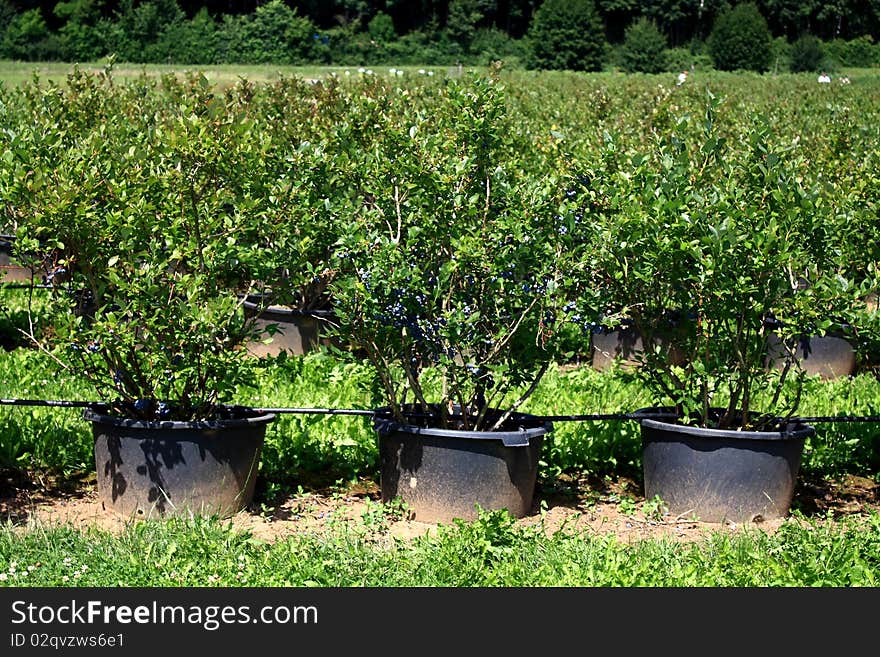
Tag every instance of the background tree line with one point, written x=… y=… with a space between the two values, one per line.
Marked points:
x=574 y=34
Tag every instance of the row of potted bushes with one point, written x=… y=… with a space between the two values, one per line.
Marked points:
x=436 y=254
x=297 y=331
x=826 y=356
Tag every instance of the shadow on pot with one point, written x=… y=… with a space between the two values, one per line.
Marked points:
x=164 y=468
x=828 y=356
x=13 y=271
x=721 y=475
x=623 y=346
x=295 y=332
x=444 y=474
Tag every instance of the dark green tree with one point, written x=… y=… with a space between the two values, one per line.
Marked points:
x=80 y=40
x=276 y=34
x=806 y=54
x=350 y=11
x=788 y=18
x=567 y=35
x=381 y=28
x=28 y=37
x=461 y=23
x=682 y=21
x=643 y=48
x=617 y=16
x=740 y=40
x=137 y=28
x=861 y=52
x=678 y=18
x=7 y=13
x=231 y=38
x=846 y=19
x=193 y=41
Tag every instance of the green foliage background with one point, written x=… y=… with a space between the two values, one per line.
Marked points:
x=643 y=49
x=428 y=32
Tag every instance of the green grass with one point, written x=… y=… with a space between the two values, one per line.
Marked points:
x=39 y=437
x=58 y=439
x=493 y=550
x=343 y=447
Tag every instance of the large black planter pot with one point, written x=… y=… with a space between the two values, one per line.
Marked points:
x=11 y=271
x=718 y=475
x=621 y=346
x=162 y=469
x=827 y=356
x=442 y=474
x=298 y=331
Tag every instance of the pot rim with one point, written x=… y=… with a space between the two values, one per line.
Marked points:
x=520 y=437
x=132 y=423
x=793 y=430
x=283 y=310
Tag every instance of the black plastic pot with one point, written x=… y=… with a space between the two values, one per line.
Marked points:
x=297 y=331
x=157 y=468
x=621 y=346
x=443 y=474
x=13 y=272
x=827 y=356
x=718 y=475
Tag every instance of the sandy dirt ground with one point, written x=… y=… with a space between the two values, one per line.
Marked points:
x=599 y=506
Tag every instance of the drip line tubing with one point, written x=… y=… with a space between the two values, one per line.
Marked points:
x=590 y=417
x=39 y=286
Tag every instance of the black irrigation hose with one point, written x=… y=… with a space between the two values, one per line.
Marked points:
x=645 y=415
x=317 y=411
x=41 y=286
x=545 y=418
x=837 y=418
x=593 y=417
x=51 y=402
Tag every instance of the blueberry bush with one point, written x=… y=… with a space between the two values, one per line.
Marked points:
x=707 y=248
x=454 y=269
x=466 y=232
x=152 y=192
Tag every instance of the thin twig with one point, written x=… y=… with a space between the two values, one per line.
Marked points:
x=523 y=398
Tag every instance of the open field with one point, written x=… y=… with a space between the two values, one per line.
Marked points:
x=12 y=73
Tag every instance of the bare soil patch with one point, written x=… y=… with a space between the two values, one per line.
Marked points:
x=593 y=505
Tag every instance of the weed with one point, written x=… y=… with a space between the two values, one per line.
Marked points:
x=654 y=509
